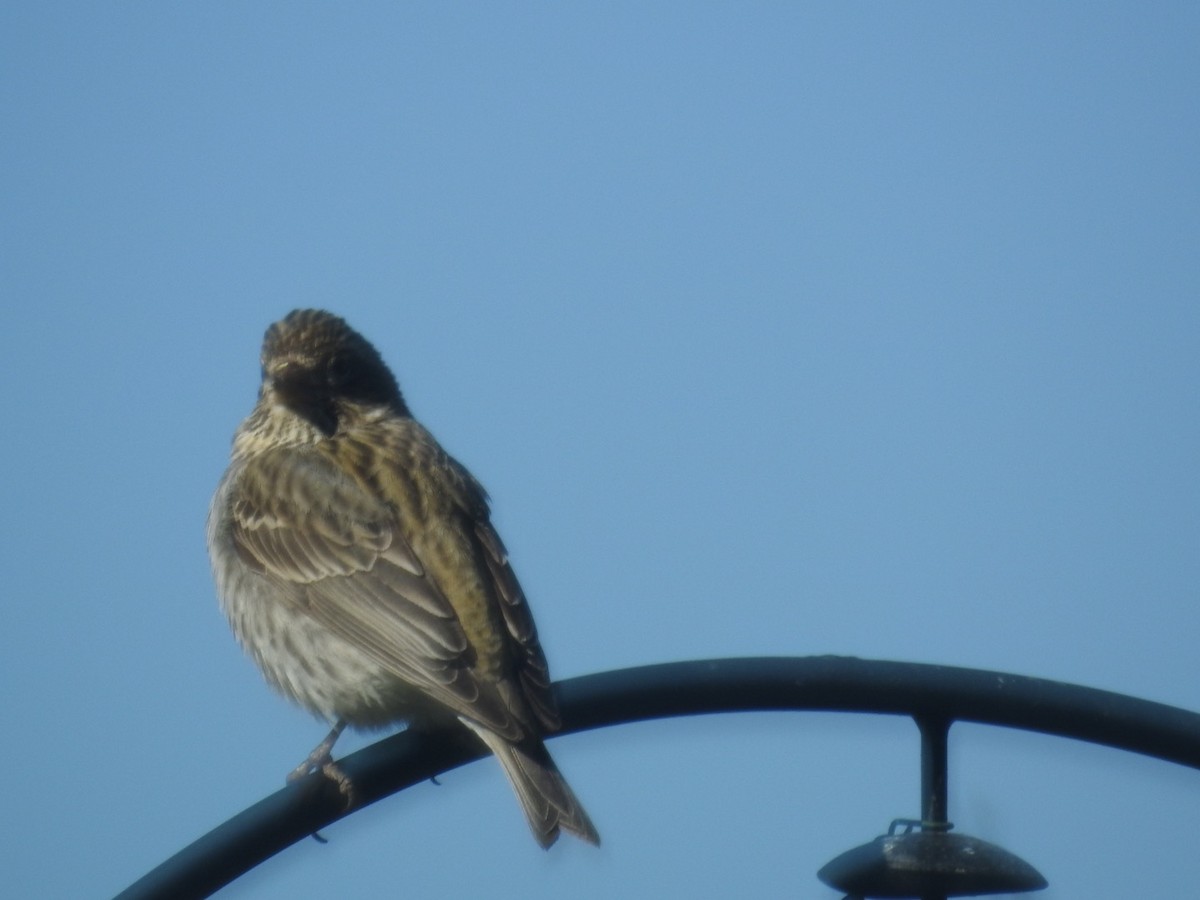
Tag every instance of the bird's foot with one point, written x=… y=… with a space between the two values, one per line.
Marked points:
x=321 y=756
x=321 y=760
x=331 y=771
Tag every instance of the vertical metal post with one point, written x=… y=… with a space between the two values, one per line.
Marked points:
x=935 y=765
x=934 y=773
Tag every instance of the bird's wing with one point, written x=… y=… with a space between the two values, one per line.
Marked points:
x=532 y=668
x=336 y=552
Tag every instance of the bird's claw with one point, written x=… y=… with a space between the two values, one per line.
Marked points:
x=345 y=786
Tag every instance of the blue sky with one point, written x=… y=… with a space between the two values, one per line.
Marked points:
x=866 y=329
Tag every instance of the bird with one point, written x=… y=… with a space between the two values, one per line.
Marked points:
x=357 y=564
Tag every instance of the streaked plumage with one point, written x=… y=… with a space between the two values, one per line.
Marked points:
x=357 y=565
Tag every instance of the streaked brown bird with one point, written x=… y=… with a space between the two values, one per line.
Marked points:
x=357 y=564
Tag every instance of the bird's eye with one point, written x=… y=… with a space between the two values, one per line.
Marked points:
x=341 y=371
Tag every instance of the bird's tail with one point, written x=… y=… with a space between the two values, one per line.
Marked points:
x=546 y=798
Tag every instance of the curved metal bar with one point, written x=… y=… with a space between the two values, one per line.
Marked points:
x=829 y=683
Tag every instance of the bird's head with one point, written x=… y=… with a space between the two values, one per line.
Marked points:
x=321 y=369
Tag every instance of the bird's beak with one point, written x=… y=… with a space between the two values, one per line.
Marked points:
x=293 y=382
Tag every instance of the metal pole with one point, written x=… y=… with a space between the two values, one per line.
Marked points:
x=936 y=693
x=934 y=773
x=935 y=801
